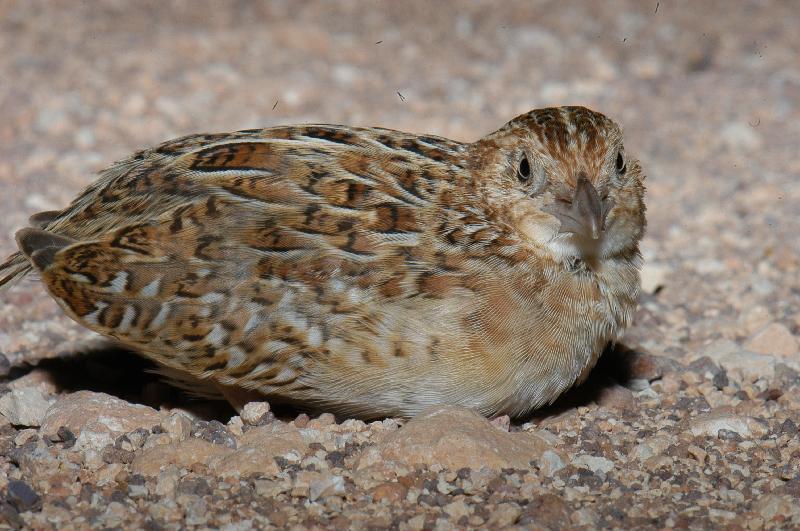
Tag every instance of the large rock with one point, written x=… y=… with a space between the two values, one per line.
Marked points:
x=24 y=407
x=255 y=453
x=456 y=437
x=182 y=454
x=97 y=413
x=276 y=438
x=740 y=363
x=724 y=418
x=775 y=340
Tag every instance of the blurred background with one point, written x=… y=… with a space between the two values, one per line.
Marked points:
x=708 y=94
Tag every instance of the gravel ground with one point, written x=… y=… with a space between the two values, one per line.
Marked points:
x=692 y=421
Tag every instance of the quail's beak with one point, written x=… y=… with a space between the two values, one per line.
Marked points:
x=585 y=215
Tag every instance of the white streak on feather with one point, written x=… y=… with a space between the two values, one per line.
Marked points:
x=160 y=318
x=118 y=284
x=127 y=319
x=217 y=335
x=152 y=289
x=410 y=239
x=91 y=318
x=261 y=368
x=210 y=298
x=336 y=286
x=355 y=295
x=284 y=375
x=314 y=337
x=276 y=345
x=253 y=307
x=236 y=356
x=251 y=323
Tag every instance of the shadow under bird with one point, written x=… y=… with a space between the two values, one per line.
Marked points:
x=363 y=271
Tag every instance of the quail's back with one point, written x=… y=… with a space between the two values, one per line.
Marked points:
x=368 y=272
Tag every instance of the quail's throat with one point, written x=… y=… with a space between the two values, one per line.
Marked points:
x=585 y=215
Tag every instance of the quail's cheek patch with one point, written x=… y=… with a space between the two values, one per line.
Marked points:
x=367 y=272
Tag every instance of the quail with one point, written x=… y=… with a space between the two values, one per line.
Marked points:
x=363 y=271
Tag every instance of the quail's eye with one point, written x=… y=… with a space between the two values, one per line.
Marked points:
x=621 y=167
x=534 y=177
x=524 y=170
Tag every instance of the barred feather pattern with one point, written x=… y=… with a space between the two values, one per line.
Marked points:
x=364 y=271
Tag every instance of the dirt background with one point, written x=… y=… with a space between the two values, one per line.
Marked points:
x=708 y=94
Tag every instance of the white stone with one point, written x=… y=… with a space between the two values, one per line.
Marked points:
x=709 y=424
x=253 y=412
x=651 y=446
x=178 y=426
x=550 y=463
x=738 y=362
x=594 y=463
x=24 y=407
x=325 y=485
x=94 y=440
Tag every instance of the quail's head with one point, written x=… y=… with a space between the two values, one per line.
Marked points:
x=562 y=178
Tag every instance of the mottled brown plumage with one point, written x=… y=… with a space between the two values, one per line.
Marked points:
x=368 y=272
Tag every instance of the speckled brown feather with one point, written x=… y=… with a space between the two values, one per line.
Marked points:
x=365 y=271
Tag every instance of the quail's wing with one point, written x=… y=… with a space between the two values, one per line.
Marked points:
x=248 y=255
x=157 y=180
x=136 y=189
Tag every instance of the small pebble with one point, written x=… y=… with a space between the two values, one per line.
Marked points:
x=255 y=413
x=22 y=496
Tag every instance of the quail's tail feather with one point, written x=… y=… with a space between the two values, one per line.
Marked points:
x=18 y=265
x=13 y=270
x=40 y=246
x=37 y=248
